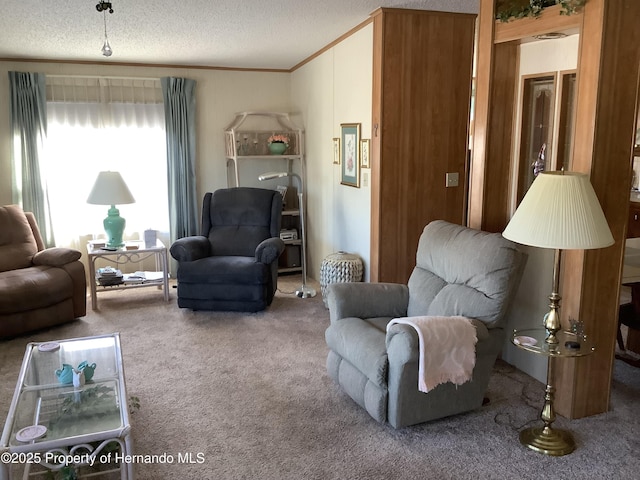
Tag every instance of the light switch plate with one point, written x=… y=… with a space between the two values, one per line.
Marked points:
x=451 y=179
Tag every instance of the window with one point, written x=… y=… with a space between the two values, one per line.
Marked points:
x=97 y=124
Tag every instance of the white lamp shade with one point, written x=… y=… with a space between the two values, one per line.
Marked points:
x=561 y=211
x=110 y=189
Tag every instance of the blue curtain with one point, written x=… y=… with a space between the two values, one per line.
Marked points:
x=28 y=131
x=180 y=112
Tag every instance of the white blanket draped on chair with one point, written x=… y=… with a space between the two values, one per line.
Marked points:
x=447 y=349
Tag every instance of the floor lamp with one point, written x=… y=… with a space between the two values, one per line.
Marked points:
x=559 y=211
x=304 y=291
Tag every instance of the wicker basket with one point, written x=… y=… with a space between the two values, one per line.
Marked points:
x=340 y=267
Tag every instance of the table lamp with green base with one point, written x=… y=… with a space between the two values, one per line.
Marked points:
x=110 y=189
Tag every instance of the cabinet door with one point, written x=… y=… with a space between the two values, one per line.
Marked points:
x=633 y=229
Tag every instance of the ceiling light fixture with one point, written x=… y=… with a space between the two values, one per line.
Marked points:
x=550 y=36
x=104 y=7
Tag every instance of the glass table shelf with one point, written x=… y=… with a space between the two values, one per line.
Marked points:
x=561 y=349
x=546 y=439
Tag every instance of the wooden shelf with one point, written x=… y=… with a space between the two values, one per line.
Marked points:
x=290 y=270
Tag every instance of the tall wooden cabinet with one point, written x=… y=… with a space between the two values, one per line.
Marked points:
x=422 y=75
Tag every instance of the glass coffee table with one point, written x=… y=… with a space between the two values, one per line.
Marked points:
x=54 y=425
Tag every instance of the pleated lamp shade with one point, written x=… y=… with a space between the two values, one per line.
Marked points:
x=560 y=211
x=110 y=189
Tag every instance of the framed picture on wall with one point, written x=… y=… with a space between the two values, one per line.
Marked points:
x=350 y=158
x=364 y=153
x=336 y=151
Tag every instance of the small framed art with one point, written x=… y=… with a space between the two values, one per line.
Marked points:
x=364 y=153
x=336 y=151
x=350 y=158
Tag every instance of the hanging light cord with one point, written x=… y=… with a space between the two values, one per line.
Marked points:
x=104 y=7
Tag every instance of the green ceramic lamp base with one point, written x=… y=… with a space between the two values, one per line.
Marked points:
x=114 y=227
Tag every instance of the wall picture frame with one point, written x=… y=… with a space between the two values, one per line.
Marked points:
x=364 y=153
x=336 y=151
x=350 y=157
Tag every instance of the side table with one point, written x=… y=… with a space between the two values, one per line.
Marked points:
x=122 y=256
x=546 y=439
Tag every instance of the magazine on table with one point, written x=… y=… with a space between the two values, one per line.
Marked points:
x=142 y=277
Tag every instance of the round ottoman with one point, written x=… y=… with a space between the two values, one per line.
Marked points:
x=340 y=267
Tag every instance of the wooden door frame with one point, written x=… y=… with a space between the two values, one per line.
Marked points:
x=607 y=90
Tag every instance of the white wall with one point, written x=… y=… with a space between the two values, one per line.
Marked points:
x=531 y=302
x=335 y=88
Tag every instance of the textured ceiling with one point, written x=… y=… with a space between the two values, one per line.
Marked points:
x=271 y=34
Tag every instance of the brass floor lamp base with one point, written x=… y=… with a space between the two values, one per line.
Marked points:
x=548 y=440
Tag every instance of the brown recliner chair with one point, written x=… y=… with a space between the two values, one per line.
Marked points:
x=38 y=287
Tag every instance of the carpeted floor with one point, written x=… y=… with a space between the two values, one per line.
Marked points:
x=250 y=394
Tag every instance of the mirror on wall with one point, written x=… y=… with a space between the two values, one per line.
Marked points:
x=538 y=100
x=566 y=120
x=547 y=124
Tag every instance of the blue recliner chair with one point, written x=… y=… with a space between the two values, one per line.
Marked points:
x=233 y=264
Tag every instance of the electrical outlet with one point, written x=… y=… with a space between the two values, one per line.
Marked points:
x=451 y=179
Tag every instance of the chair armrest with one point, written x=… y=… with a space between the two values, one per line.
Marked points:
x=403 y=344
x=56 y=256
x=188 y=249
x=269 y=250
x=367 y=300
x=76 y=273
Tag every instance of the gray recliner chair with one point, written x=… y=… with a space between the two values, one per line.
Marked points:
x=459 y=271
x=233 y=264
